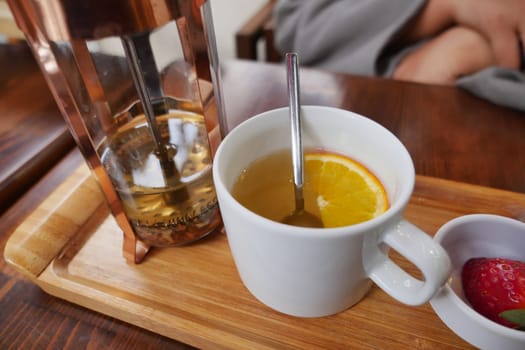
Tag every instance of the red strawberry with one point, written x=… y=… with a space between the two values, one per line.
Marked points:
x=495 y=285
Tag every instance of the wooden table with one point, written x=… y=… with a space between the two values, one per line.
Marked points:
x=33 y=135
x=449 y=133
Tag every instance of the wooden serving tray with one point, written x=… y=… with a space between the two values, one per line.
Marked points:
x=72 y=248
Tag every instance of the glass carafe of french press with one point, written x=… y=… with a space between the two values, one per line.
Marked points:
x=137 y=82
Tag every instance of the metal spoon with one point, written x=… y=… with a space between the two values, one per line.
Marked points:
x=299 y=217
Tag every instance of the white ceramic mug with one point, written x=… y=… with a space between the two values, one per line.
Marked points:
x=312 y=272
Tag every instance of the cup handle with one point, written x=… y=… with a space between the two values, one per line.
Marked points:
x=420 y=249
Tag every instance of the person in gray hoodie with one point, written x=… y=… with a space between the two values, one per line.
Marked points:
x=475 y=44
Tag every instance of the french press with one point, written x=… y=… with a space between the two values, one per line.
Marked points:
x=137 y=82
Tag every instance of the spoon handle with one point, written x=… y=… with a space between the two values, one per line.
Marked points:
x=295 y=122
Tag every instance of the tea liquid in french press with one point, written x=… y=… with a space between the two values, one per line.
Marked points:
x=138 y=84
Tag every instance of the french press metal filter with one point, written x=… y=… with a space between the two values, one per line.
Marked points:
x=137 y=82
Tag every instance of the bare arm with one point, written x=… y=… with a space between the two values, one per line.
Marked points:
x=501 y=23
x=446 y=57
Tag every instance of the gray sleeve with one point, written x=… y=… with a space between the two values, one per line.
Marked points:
x=505 y=87
x=343 y=35
x=353 y=36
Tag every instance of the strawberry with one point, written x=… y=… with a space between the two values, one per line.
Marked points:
x=495 y=287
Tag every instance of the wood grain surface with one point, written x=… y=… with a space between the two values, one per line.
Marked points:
x=30 y=318
x=193 y=294
x=33 y=134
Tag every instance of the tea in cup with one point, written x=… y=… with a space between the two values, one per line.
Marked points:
x=337 y=190
x=313 y=272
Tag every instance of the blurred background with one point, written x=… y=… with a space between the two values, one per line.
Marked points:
x=228 y=15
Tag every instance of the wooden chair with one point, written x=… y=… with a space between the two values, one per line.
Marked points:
x=259 y=27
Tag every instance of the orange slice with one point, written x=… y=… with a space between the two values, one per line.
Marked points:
x=346 y=192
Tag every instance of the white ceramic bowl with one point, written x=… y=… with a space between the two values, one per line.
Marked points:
x=469 y=236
